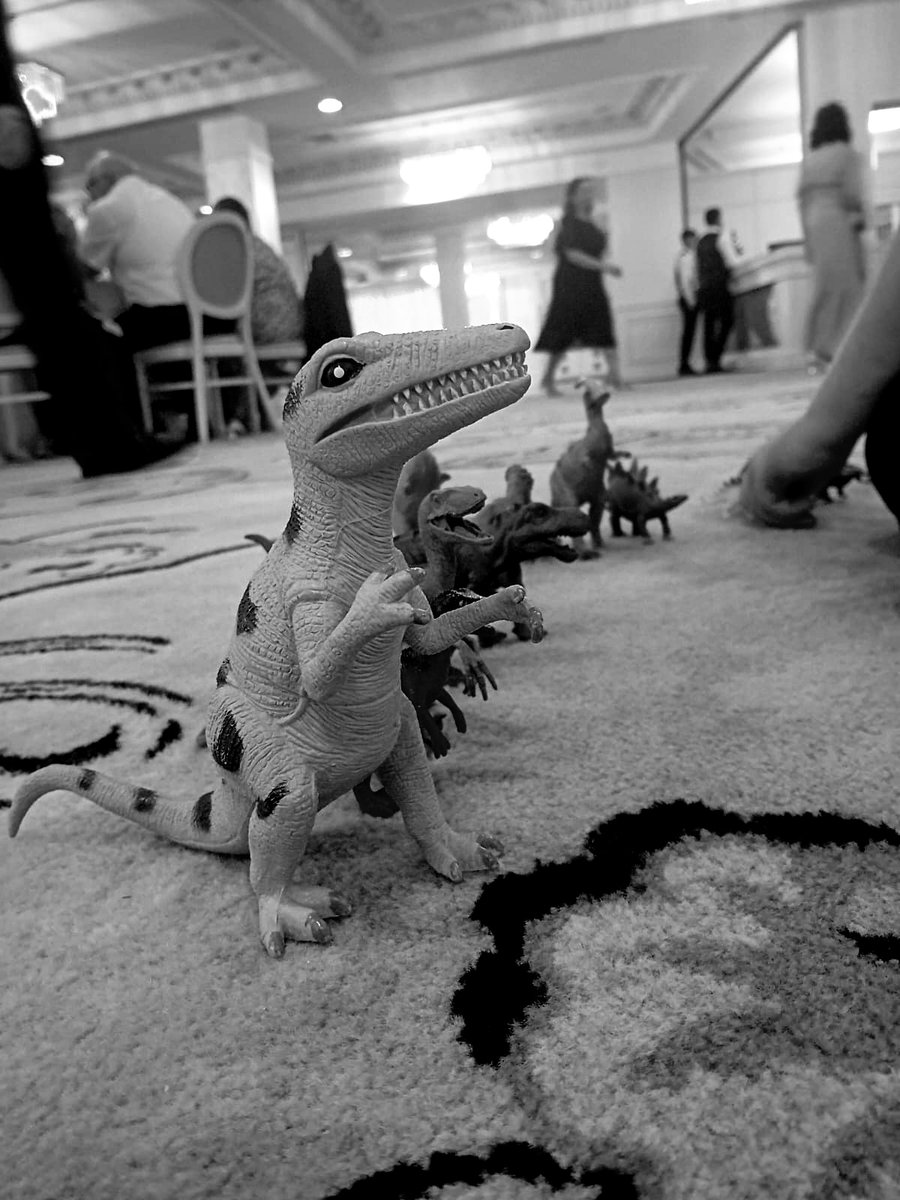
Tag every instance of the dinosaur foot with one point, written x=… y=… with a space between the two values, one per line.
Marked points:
x=300 y=916
x=455 y=854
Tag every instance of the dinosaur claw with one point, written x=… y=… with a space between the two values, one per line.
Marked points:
x=274 y=944
x=320 y=931
x=487 y=842
x=339 y=905
x=454 y=874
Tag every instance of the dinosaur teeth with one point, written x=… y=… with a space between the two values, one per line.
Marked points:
x=452 y=385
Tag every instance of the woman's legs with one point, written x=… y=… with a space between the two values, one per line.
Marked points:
x=548 y=382
x=613 y=372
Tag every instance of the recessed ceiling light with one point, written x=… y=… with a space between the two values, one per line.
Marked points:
x=330 y=104
x=885 y=119
x=206 y=209
x=432 y=178
x=345 y=252
x=53 y=160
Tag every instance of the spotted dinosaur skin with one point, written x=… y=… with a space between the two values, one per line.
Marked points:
x=308 y=699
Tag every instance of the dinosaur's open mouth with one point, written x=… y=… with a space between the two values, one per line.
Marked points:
x=458 y=526
x=443 y=389
x=550 y=547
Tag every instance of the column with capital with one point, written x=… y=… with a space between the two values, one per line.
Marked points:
x=450 y=247
x=237 y=162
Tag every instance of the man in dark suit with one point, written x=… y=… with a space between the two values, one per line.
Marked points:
x=717 y=255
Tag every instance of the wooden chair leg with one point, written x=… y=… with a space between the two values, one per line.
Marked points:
x=214 y=394
x=143 y=387
x=252 y=369
x=201 y=409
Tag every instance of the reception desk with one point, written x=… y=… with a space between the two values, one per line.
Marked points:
x=772 y=293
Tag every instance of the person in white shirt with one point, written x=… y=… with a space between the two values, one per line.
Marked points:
x=718 y=253
x=134 y=230
x=686 y=287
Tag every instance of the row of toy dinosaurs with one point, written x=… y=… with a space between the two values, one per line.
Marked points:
x=308 y=700
x=471 y=548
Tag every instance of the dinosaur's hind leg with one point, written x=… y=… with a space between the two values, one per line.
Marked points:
x=408 y=780
x=261 y=755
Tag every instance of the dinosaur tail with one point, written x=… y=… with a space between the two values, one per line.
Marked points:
x=215 y=821
x=671 y=502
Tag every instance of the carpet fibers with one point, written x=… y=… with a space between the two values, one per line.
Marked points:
x=684 y=982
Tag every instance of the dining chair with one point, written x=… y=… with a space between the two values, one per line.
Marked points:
x=17 y=365
x=284 y=360
x=215 y=274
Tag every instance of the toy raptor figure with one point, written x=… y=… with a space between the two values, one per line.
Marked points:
x=308 y=699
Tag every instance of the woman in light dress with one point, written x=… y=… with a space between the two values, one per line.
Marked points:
x=831 y=205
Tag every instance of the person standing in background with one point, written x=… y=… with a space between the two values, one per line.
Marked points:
x=579 y=312
x=718 y=253
x=831 y=204
x=686 y=287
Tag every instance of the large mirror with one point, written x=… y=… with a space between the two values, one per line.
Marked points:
x=744 y=153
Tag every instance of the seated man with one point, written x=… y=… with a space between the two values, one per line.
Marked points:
x=135 y=230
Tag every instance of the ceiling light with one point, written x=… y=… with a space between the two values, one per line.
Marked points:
x=330 y=104
x=205 y=209
x=345 y=252
x=432 y=178
x=884 y=120
x=42 y=89
x=531 y=229
x=430 y=273
x=53 y=160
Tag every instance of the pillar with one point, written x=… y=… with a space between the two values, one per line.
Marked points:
x=643 y=217
x=237 y=162
x=450 y=247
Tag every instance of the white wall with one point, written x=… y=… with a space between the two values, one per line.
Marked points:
x=758 y=205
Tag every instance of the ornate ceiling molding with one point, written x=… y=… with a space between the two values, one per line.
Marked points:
x=537 y=137
x=230 y=77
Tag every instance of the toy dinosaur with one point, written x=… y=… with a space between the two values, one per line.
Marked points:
x=419 y=476
x=520 y=535
x=519 y=485
x=443 y=525
x=308 y=700
x=579 y=476
x=838 y=481
x=630 y=497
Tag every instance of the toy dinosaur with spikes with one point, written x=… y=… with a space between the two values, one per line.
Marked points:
x=631 y=497
x=308 y=699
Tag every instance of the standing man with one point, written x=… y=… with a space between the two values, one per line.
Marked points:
x=686 y=287
x=717 y=256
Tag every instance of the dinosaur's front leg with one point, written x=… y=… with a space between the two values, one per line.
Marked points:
x=408 y=781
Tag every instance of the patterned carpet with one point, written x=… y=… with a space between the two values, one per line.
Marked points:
x=684 y=982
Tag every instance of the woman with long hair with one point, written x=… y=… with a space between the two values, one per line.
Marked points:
x=830 y=199
x=579 y=312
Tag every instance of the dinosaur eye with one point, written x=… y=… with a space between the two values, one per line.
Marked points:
x=338 y=371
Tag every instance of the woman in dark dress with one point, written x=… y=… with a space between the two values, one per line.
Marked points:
x=579 y=312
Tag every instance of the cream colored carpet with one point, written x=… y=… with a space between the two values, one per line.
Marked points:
x=684 y=984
